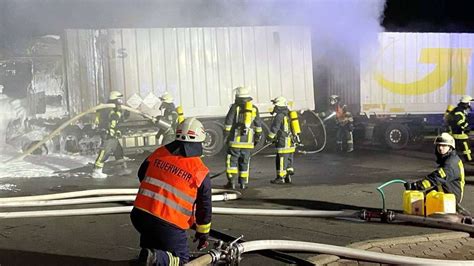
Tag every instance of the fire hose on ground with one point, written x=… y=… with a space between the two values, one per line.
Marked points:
x=234 y=251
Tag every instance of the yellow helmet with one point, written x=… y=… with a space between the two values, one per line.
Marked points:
x=280 y=101
x=115 y=95
x=166 y=97
x=191 y=130
x=445 y=139
x=465 y=99
x=242 y=92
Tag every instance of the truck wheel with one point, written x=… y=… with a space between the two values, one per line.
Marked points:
x=214 y=141
x=396 y=136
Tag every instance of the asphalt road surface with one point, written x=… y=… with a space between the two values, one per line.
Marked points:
x=323 y=181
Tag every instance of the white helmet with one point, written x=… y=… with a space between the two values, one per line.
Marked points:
x=115 y=95
x=445 y=139
x=280 y=101
x=190 y=130
x=333 y=99
x=242 y=92
x=166 y=97
x=465 y=99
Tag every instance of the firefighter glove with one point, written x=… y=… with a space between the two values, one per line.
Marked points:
x=257 y=138
x=408 y=186
x=418 y=185
x=202 y=238
x=269 y=140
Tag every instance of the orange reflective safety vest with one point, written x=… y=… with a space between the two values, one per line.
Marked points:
x=170 y=187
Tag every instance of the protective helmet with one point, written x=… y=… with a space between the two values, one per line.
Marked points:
x=465 y=99
x=166 y=97
x=242 y=92
x=115 y=95
x=280 y=101
x=191 y=130
x=445 y=139
x=333 y=99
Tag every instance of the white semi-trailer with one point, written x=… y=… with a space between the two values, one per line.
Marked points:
x=200 y=67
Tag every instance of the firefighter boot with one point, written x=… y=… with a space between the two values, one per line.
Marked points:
x=279 y=180
x=242 y=184
x=350 y=147
x=230 y=183
x=289 y=173
x=97 y=173
x=124 y=170
x=147 y=257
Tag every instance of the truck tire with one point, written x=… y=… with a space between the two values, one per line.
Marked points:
x=396 y=136
x=214 y=138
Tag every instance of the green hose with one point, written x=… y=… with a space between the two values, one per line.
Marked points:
x=379 y=188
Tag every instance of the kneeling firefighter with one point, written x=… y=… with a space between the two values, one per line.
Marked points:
x=284 y=132
x=449 y=175
x=174 y=195
x=171 y=116
x=243 y=130
x=108 y=121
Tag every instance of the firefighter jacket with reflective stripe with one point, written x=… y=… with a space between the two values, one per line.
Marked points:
x=169 y=114
x=169 y=189
x=113 y=118
x=344 y=118
x=240 y=136
x=449 y=176
x=458 y=124
x=280 y=130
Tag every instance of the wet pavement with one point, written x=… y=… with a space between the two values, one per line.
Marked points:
x=323 y=181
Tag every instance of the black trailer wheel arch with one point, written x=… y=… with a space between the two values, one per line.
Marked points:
x=396 y=136
x=214 y=141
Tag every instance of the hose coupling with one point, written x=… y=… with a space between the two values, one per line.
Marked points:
x=215 y=255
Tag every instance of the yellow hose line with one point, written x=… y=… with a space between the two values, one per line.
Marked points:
x=72 y=120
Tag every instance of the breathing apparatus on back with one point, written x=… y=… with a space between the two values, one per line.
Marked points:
x=294 y=122
x=242 y=95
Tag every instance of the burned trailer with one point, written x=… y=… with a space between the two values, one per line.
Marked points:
x=200 y=67
x=33 y=94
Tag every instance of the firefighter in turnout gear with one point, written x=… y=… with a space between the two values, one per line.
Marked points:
x=284 y=132
x=243 y=130
x=174 y=195
x=108 y=121
x=449 y=175
x=169 y=119
x=344 y=123
x=459 y=127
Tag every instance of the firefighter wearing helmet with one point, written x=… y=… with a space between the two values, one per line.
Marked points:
x=344 y=123
x=174 y=195
x=449 y=175
x=108 y=120
x=169 y=119
x=284 y=132
x=459 y=127
x=242 y=131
